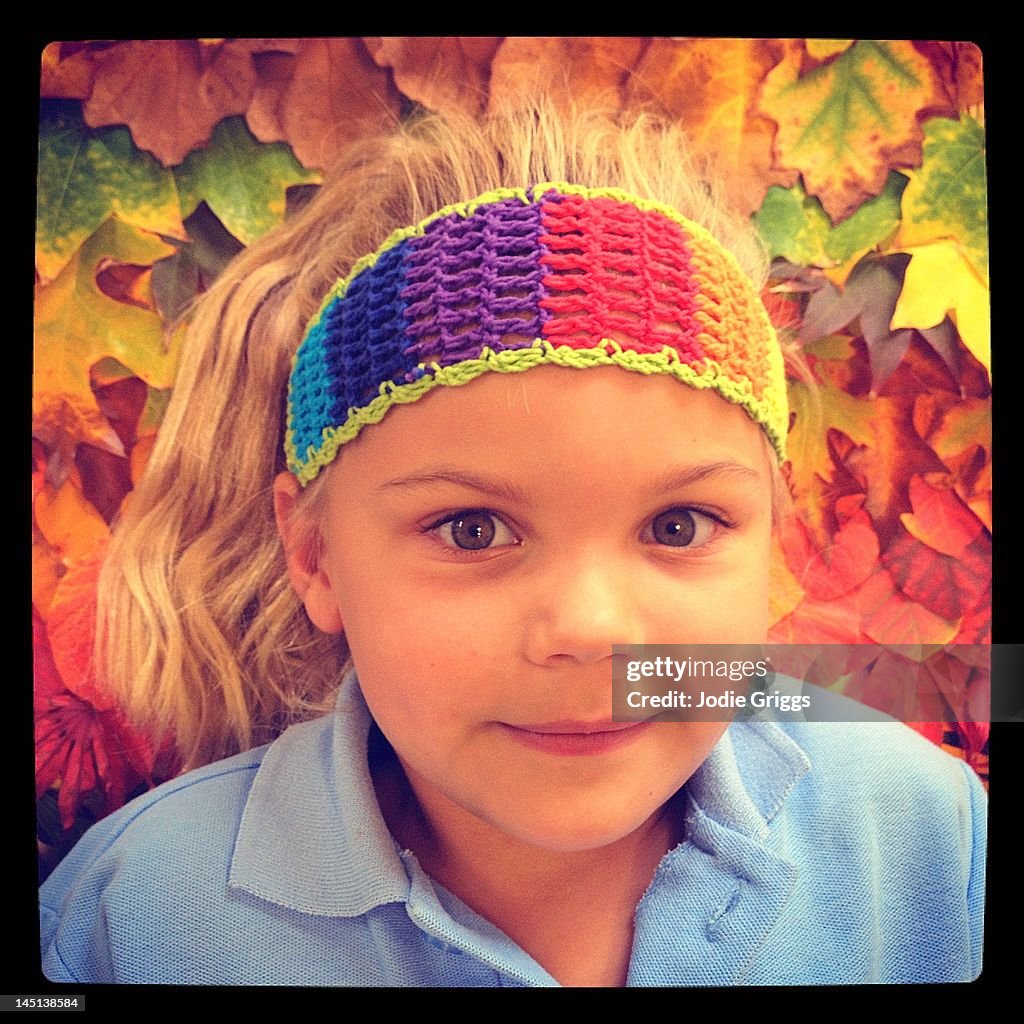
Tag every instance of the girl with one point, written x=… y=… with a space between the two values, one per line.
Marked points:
x=430 y=487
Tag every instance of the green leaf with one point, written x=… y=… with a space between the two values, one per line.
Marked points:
x=794 y=225
x=84 y=177
x=243 y=181
x=946 y=197
x=873 y=222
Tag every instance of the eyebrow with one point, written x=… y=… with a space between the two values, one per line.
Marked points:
x=672 y=480
x=451 y=475
x=675 y=479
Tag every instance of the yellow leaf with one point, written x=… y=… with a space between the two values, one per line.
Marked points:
x=844 y=124
x=77 y=325
x=940 y=280
x=821 y=49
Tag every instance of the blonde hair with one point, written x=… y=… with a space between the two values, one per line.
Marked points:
x=200 y=633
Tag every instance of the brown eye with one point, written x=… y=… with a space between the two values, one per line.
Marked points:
x=680 y=528
x=474 y=530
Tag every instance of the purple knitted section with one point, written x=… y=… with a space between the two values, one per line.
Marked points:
x=475 y=281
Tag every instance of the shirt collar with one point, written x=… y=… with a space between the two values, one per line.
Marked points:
x=312 y=837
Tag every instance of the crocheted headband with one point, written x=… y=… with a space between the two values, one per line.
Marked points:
x=556 y=275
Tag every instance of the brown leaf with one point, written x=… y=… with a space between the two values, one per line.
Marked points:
x=959 y=66
x=336 y=95
x=446 y=74
x=66 y=75
x=709 y=86
x=170 y=93
x=106 y=479
x=274 y=72
x=578 y=69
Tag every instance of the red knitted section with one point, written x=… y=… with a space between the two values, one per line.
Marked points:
x=618 y=272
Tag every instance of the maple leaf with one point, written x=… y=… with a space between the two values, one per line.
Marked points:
x=445 y=74
x=947 y=586
x=846 y=123
x=821 y=49
x=84 y=177
x=242 y=181
x=709 y=85
x=334 y=95
x=815 y=415
x=69 y=523
x=960 y=433
x=170 y=93
x=795 y=226
x=568 y=69
x=940 y=280
x=67 y=72
x=888 y=616
x=77 y=325
x=947 y=195
x=71 y=628
x=940 y=519
x=842 y=566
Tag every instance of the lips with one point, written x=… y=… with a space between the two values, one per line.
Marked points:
x=575 y=728
x=574 y=738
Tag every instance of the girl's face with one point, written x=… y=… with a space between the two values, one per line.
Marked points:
x=486 y=545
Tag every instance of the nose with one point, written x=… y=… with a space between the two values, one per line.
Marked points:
x=580 y=609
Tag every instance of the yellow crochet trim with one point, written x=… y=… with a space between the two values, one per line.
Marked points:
x=768 y=411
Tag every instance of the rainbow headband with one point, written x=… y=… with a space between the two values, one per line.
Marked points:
x=551 y=275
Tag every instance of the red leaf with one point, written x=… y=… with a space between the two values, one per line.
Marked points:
x=842 y=567
x=947 y=586
x=940 y=519
x=72 y=627
x=889 y=618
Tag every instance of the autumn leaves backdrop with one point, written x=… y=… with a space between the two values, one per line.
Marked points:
x=861 y=163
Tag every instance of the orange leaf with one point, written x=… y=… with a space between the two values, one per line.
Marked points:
x=446 y=74
x=846 y=123
x=940 y=519
x=578 y=69
x=170 y=93
x=67 y=72
x=47 y=569
x=71 y=625
x=336 y=95
x=709 y=85
x=71 y=526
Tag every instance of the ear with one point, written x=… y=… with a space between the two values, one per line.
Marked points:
x=303 y=545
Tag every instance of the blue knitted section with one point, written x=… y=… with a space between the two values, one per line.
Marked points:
x=368 y=334
x=355 y=345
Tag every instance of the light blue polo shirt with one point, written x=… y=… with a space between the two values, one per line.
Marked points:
x=814 y=853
